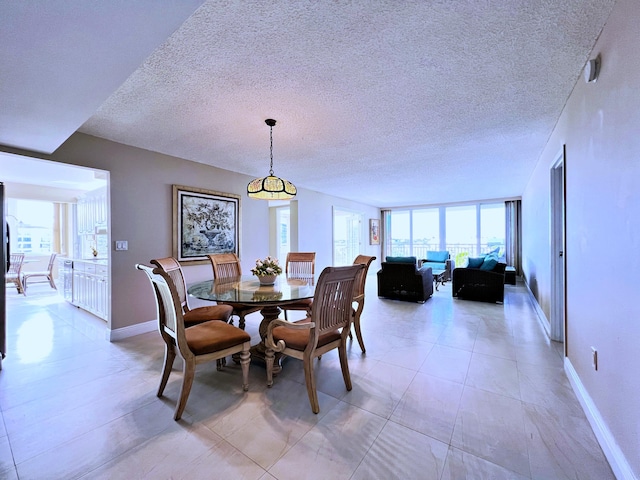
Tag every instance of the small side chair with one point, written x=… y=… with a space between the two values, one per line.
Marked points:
x=359 y=296
x=327 y=328
x=225 y=266
x=14 y=274
x=48 y=273
x=299 y=264
x=172 y=267
x=205 y=342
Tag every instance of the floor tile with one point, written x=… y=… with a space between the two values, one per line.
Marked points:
x=415 y=455
x=334 y=448
x=449 y=388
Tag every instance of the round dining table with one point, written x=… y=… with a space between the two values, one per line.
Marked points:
x=247 y=290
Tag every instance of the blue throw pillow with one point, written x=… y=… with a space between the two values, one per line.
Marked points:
x=435 y=256
x=489 y=263
x=475 y=262
x=413 y=260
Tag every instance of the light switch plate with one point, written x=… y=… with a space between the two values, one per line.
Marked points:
x=122 y=245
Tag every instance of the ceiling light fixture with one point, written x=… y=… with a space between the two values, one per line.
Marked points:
x=271 y=187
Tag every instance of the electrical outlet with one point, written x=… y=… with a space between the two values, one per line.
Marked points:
x=122 y=245
x=594 y=358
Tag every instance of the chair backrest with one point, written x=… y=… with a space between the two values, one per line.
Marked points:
x=52 y=260
x=362 y=277
x=332 y=302
x=171 y=321
x=225 y=265
x=300 y=263
x=171 y=266
x=15 y=263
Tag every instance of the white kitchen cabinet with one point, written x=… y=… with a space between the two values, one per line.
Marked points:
x=91 y=287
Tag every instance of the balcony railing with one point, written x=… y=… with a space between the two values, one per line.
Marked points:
x=458 y=251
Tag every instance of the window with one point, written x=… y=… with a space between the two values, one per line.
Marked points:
x=463 y=230
x=31 y=225
x=283 y=243
x=347 y=236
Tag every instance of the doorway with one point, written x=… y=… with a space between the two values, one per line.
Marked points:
x=558 y=253
x=35 y=181
x=347 y=236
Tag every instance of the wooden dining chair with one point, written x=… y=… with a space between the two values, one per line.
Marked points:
x=327 y=328
x=172 y=267
x=14 y=274
x=300 y=264
x=208 y=341
x=358 y=298
x=226 y=266
x=48 y=273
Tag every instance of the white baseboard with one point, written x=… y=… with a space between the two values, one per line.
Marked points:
x=133 y=330
x=617 y=460
x=542 y=318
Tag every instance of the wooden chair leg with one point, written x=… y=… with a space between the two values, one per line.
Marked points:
x=245 y=359
x=269 y=355
x=344 y=365
x=310 y=380
x=356 y=326
x=169 y=357
x=189 y=372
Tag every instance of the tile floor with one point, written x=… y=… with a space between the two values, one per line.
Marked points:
x=450 y=389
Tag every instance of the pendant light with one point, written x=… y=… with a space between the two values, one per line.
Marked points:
x=271 y=187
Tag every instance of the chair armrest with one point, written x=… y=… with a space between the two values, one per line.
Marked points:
x=280 y=346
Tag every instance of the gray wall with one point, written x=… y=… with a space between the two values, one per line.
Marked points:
x=141 y=213
x=600 y=126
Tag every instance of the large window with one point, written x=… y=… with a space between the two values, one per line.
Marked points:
x=31 y=224
x=463 y=230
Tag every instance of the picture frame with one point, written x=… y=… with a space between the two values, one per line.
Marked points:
x=374 y=231
x=204 y=222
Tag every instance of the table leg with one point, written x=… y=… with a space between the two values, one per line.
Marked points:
x=258 y=351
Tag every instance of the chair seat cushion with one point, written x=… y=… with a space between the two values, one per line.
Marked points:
x=299 y=305
x=212 y=336
x=204 y=314
x=298 y=339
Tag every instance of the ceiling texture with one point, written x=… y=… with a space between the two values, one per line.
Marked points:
x=387 y=102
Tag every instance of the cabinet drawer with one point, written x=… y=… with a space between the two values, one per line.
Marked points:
x=101 y=269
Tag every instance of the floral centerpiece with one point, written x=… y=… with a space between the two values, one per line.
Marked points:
x=267 y=270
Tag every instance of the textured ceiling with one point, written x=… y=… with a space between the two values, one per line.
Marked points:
x=386 y=102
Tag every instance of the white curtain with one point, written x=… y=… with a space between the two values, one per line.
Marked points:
x=385 y=234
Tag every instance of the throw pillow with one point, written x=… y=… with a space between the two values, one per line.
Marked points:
x=489 y=263
x=475 y=262
x=439 y=257
x=413 y=260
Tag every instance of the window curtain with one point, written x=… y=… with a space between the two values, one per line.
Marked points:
x=385 y=234
x=513 y=213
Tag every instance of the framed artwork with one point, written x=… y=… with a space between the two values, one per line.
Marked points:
x=374 y=231
x=204 y=222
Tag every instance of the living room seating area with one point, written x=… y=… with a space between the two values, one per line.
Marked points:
x=401 y=279
x=481 y=280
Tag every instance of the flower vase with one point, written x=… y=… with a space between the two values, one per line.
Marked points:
x=267 y=279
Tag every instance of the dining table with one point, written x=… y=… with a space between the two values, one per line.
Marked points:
x=247 y=290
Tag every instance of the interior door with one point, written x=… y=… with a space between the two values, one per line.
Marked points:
x=558 y=253
x=4 y=257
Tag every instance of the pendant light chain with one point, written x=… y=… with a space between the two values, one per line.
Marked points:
x=271 y=138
